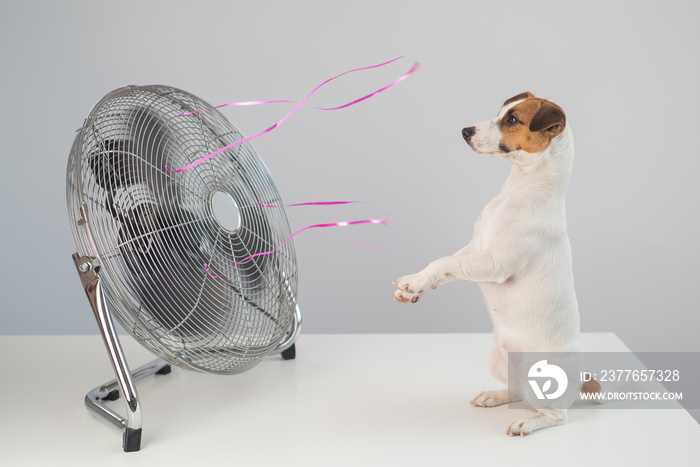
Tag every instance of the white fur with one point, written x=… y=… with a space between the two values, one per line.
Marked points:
x=521 y=258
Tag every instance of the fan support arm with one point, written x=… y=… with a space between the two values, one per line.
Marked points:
x=87 y=270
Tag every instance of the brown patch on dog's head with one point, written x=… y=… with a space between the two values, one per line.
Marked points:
x=521 y=96
x=531 y=124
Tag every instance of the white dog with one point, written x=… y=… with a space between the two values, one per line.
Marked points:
x=520 y=253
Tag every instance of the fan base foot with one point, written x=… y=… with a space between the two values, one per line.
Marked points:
x=290 y=353
x=132 y=440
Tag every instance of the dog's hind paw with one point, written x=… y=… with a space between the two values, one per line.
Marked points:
x=490 y=398
x=543 y=419
x=519 y=428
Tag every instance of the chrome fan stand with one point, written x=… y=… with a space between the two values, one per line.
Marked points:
x=123 y=384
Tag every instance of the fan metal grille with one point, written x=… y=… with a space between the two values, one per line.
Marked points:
x=151 y=231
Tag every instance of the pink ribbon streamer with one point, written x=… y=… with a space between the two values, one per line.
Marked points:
x=317 y=203
x=413 y=69
x=239 y=104
x=315 y=226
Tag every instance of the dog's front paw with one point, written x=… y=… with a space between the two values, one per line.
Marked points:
x=414 y=283
x=405 y=297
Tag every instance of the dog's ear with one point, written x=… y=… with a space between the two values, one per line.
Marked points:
x=549 y=117
x=523 y=95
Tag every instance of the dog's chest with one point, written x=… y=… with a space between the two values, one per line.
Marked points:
x=486 y=225
x=499 y=219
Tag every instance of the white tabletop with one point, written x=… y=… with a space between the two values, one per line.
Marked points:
x=347 y=400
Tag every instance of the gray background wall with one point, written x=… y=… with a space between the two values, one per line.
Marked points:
x=625 y=72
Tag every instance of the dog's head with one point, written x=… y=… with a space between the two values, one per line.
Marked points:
x=525 y=126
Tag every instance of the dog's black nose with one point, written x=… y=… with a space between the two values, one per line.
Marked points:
x=468 y=132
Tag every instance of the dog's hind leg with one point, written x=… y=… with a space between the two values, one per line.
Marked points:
x=491 y=398
x=498 y=366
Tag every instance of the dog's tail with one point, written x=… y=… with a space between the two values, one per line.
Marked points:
x=590 y=387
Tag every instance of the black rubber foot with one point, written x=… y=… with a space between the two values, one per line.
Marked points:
x=112 y=396
x=132 y=440
x=165 y=370
x=290 y=353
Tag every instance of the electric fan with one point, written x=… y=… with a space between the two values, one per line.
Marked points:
x=144 y=235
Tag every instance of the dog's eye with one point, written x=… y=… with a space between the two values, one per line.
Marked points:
x=511 y=120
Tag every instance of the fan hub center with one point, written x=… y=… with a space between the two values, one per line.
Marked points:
x=225 y=211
